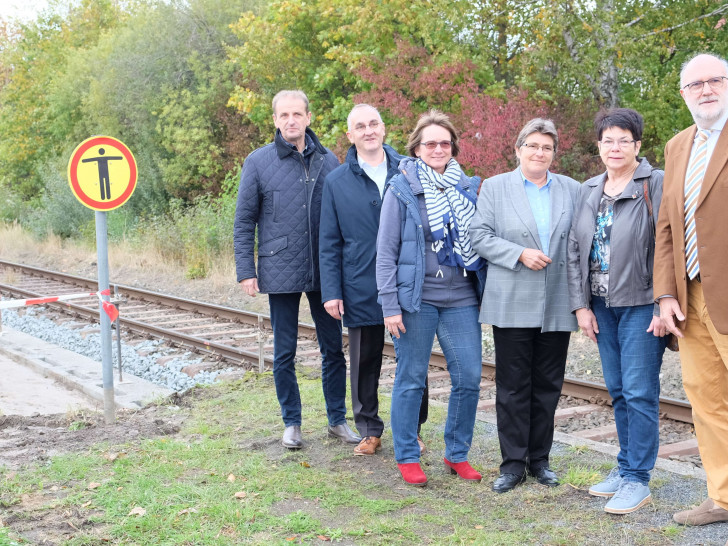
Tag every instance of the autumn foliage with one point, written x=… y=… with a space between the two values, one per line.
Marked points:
x=405 y=85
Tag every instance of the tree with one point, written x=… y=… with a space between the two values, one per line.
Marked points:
x=318 y=46
x=35 y=59
x=409 y=82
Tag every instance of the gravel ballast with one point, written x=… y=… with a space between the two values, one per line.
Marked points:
x=139 y=360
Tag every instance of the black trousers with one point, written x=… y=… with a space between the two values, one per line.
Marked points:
x=529 y=374
x=366 y=344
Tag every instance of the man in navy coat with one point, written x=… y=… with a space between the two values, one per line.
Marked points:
x=280 y=196
x=350 y=207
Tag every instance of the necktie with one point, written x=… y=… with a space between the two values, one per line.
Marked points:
x=693 y=182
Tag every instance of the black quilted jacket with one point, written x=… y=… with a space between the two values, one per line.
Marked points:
x=281 y=195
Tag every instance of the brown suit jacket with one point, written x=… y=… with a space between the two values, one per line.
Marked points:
x=711 y=224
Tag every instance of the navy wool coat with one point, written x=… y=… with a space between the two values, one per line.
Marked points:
x=350 y=210
x=281 y=194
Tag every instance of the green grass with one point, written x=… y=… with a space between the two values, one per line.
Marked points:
x=224 y=480
x=581 y=476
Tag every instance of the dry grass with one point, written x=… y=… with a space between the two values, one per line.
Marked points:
x=126 y=261
x=132 y=264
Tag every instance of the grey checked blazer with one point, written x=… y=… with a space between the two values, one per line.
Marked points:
x=503 y=225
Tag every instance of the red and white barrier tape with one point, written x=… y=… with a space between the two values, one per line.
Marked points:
x=108 y=307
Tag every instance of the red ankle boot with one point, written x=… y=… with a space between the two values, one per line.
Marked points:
x=412 y=474
x=464 y=470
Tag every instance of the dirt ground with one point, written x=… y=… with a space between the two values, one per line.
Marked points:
x=28 y=440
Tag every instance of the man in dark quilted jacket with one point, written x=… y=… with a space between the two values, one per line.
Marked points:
x=280 y=194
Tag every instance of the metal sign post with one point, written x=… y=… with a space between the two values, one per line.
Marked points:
x=107 y=363
x=102 y=174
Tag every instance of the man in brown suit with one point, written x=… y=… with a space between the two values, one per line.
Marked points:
x=691 y=267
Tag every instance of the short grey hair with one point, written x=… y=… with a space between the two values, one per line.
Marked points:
x=294 y=93
x=691 y=59
x=359 y=107
x=538 y=125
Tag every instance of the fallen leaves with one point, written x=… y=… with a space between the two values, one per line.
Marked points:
x=137 y=511
x=93 y=485
x=187 y=511
x=111 y=456
x=241 y=495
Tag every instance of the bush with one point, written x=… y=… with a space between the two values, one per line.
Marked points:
x=196 y=234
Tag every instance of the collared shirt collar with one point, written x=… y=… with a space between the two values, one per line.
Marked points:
x=549 y=178
x=378 y=173
x=364 y=165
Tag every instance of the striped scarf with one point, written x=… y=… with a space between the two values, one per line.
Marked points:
x=449 y=212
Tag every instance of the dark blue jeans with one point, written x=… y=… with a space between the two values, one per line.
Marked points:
x=631 y=362
x=284 y=319
x=459 y=334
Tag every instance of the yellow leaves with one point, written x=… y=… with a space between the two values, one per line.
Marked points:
x=305 y=464
x=112 y=456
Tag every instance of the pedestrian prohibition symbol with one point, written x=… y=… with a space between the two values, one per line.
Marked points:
x=102 y=173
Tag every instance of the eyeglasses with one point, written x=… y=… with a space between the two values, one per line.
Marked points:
x=361 y=127
x=444 y=145
x=716 y=84
x=533 y=148
x=623 y=144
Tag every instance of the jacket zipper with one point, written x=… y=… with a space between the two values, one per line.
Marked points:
x=309 y=195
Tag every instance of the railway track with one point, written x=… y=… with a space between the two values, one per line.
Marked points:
x=245 y=338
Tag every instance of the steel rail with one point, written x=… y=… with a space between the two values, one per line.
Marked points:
x=671 y=408
x=195 y=343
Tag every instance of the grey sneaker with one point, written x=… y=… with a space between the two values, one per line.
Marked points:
x=608 y=486
x=629 y=497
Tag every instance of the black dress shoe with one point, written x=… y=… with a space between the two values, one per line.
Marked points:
x=292 y=437
x=545 y=476
x=506 y=482
x=344 y=433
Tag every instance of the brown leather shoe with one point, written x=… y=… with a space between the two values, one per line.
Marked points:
x=368 y=446
x=421 y=444
x=706 y=513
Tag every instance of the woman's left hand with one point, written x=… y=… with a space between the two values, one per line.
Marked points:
x=657 y=327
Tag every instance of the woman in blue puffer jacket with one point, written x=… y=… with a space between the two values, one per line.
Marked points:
x=427 y=274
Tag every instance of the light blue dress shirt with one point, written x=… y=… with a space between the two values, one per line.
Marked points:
x=540 y=200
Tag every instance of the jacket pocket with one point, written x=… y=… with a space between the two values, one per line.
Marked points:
x=272 y=204
x=272 y=247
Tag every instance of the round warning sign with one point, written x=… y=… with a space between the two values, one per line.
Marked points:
x=102 y=173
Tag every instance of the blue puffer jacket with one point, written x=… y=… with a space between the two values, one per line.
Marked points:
x=410 y=259
x=350 y=211
x=281 y=195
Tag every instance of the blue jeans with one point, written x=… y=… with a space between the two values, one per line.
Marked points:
x=631 y=362
x=459 y=334
x=284 y=319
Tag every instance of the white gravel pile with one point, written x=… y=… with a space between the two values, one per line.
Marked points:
x=140 y=360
